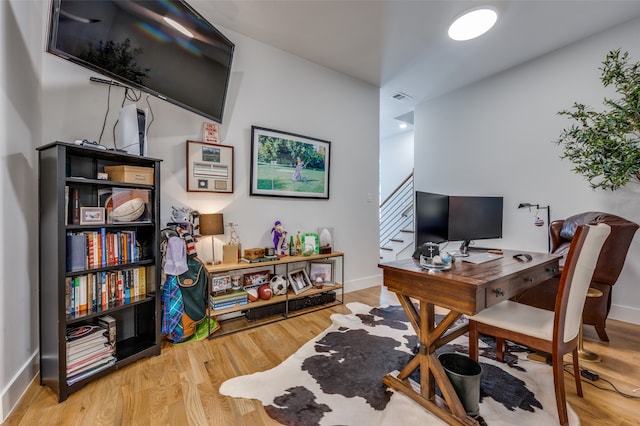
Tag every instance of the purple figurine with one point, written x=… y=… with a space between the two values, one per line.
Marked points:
x=279 y=238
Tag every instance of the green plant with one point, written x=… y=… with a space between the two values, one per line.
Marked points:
x=604 y=146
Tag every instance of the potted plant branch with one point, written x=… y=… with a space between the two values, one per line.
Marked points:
x=604 y=146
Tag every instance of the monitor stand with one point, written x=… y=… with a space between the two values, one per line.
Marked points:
x=464 y=249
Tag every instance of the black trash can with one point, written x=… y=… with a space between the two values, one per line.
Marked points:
x=464 y=374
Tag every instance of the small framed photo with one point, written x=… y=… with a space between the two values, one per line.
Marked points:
x=256 y=278
x=322 y=272
x=92 y=216
x=220 y=283
x=299 y=280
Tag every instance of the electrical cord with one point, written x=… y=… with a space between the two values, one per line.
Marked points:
x=104 y=122
x=595 y=377
x=151 y=113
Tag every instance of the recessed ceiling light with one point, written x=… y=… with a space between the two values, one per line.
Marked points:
x=178 y=27
x=402 y=125
x=473 y=23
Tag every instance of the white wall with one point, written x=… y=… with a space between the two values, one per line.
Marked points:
x=396 y=162
x=496 y=138
x=268 y=88
x=20 y=125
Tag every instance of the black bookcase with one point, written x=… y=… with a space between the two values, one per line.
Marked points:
x=66 y=169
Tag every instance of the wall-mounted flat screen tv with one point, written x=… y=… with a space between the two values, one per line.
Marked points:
x=162 y=47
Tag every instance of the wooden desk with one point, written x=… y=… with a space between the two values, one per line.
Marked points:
x=464 y=289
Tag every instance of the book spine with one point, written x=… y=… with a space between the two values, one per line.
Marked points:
x=66 y=205
x=142 y=276
x=67 y=295
x=76 y=206
x=89 y=285
x=103 y=247
x=103 y=294
x=83 y=293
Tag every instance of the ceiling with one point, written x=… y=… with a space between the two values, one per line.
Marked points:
x=402 y=45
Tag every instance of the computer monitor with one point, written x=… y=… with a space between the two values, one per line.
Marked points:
x=474 y=218
x=431 y=219
x=440 y=218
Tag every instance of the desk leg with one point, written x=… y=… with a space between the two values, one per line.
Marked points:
x=431 y=370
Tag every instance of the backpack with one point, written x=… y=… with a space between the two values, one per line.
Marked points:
x=193 y=286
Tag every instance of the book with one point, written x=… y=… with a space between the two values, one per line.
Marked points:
x=89 y=372
x=75 y=210
x=66 y=205
x=229 y=294
x=81 y=332
x=76 y=252
x=109 y=324
x=97 y=342
x=142 y=278
x=105 y=352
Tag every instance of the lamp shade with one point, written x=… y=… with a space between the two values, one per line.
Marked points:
x=211 y=224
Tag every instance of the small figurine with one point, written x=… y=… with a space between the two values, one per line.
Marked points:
x=279 y=238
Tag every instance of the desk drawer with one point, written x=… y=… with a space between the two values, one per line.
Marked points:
x=503 y=290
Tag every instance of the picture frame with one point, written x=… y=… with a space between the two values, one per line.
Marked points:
x=286 y=164
x=310 y=243
x=299 y=280
x=220 y=283
x=92 y=216
x=323 y=269
x=255 y=278
x=209 y=167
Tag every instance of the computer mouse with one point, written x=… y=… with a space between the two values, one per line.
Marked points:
x=523 y=257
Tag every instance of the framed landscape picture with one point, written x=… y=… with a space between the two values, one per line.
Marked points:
x=289 y=165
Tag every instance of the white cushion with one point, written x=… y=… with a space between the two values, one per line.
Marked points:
x=518 y=317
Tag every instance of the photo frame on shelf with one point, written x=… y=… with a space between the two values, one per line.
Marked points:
x=322 y=272
x=220 y=283
x=299 y=280
x=256 y=278
x=289 y=165
x=209 y=167
x=310 y=243
x=92 y=216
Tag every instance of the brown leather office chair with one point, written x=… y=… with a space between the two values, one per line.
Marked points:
x=607 y=270
x=555 y=332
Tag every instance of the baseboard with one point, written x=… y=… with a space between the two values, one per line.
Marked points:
x=18 y=385
x=362 y=283
x=625 y=313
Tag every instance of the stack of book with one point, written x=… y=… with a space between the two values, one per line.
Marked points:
x=228 y=299
x=88 y=351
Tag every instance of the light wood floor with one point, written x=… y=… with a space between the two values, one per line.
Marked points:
x=180 y=387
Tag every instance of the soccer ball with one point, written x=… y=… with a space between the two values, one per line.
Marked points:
x=278 y=285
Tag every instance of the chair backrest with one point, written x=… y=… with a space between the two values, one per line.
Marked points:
x=575 y=279
x=614 y=251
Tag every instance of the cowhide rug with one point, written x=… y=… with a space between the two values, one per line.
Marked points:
x=336 y=378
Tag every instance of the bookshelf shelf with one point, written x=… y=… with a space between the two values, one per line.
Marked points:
x=119 y=261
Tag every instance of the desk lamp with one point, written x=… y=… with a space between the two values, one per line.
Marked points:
x=212 y=224
x=538 y=207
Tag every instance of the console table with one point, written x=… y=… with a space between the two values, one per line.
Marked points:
x=466 y=288
x=234 y=319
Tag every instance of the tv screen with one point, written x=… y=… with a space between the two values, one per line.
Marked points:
x=162 y=47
